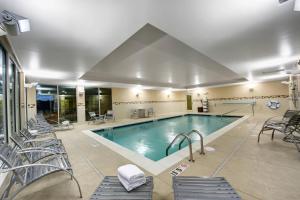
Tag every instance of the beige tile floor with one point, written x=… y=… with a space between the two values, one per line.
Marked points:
x=269 y=170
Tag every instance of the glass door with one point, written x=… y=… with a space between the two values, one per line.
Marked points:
x=105 y=100
x=189 y=102
x=2 y=109
x=91 y=101
x=17 y=100
x=12 y=88
x=47 y=102
x=67 y=103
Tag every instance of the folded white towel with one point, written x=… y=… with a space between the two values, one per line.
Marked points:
x=33 y=132
x=67 y=122
x=130 y=173
x=130 y=186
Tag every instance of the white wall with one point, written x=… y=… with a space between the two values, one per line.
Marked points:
x=31 y=102
x=80 y=101
x=260 y=92
x=125 y=100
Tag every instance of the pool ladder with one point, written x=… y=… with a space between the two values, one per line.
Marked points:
x=186 y=136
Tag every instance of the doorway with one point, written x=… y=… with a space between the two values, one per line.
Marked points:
x=189 y=103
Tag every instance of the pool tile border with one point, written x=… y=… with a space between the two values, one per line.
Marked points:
x=157 y=167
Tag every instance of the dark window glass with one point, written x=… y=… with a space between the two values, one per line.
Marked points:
x=18 y=107
x=67 y=103
x=12 y=89
x=2 y=110
x=105 y=100
x=47 y=102
x=91 y=101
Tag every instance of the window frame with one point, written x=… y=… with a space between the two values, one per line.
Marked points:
x=4 y=55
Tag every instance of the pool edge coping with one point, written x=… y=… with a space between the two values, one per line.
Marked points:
x=157 y=167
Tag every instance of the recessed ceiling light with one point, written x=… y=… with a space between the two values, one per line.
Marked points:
x=48 y=74
x=138 y=75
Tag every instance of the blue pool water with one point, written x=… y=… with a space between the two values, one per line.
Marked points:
x=152 y=138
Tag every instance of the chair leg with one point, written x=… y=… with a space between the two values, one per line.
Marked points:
x=7 y=190
x=296 y=143
x=272 y=137
x=297 y=146
x=79 y=188
x=261 y=132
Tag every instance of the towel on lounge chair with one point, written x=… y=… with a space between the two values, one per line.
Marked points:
x=131 y=185
x=33 y=132
x=130 y=172
x=112 y=188
x=131 y=176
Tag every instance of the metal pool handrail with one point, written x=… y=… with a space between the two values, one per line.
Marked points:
x=229 y=112
x=240 y=108
x=201 y=140
x=190 y=145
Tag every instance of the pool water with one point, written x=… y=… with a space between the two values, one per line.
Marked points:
x=152 y=138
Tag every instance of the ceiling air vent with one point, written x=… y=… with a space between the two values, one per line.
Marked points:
x=282 y=1
x=296 y=4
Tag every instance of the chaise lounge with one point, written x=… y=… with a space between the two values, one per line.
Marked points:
x=96 y=118
x=25 y=173
x=290 y=128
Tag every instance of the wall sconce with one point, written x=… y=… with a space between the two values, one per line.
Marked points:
x=198 y=91
x=80 y=90
x=168 y=92
x=251 y=86
x=137 y=91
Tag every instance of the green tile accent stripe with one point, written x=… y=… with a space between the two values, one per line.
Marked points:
x=147 y=102
x=246 y=98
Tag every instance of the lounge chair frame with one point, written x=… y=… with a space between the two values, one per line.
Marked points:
x=197 y=188
x=111 y=188
x=96 y=118
x=36 y=154
x=288 y=128
x=21 y=172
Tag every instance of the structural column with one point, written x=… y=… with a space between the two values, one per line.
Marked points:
x=22 y=99
x=294 y=92
x=80 y=100
x=31 y=102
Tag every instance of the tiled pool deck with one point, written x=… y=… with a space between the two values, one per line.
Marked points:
x=269 y=170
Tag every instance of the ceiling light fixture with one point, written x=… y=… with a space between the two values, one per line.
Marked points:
x=47 y=74
x=14 y=24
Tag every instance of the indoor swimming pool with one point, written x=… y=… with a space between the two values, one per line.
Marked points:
x=151 y=138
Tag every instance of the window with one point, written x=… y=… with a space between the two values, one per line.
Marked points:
x=105 y=100
x=67 y=103
x=9 y=96
x=18 y=100
x=2 y=110
x=47 y=102
x=92 y=103
x=97 y=100
x=12 y=91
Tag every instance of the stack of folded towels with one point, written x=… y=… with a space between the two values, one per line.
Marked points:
x=131 y=176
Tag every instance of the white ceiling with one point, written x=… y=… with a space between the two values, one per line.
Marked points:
x=70 y=37
x=152 y=57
